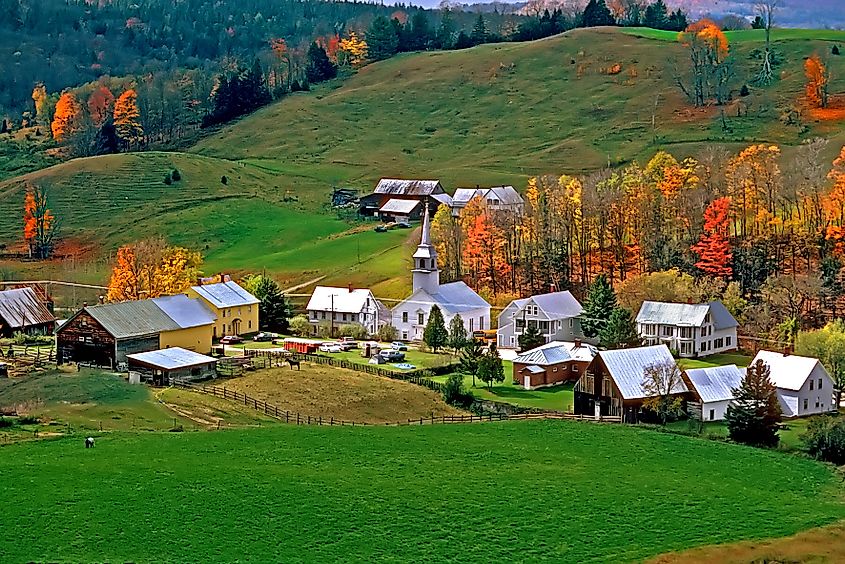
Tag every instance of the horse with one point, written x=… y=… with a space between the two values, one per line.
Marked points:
x=293 y=363
x=89 y=442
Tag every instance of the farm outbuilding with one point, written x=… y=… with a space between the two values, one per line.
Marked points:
x=713 y=388
x=553 y=363
x=22 y=311
x=164 y=365
x=302 y=346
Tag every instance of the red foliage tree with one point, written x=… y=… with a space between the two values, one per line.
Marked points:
x=713 y=248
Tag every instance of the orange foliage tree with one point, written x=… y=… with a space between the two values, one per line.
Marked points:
x=127 y=118
x=484 y=252
x=817 y=81
x=100 y=105
x=66 y=119
x=39 y=223
x=707 y=47
x=149 y=269
x=713 y=248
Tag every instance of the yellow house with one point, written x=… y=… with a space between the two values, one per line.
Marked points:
x=235 y=308
x=195 y=323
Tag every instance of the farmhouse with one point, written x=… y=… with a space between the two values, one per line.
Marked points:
x=105 y=334
x=410 y=316
x=553 y=363
x=236 y=309
x=693 y=330
x=555 y=314
x=613 y=383
x=804 y=386
x=713 y=388
x=343 y=306
x=403 y=200
x=22 y=311
x=497 y=198
x=164 y=365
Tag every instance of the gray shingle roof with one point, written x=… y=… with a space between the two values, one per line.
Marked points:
x=457 y=297
x=627 y=368
x=692 y=315
x=507 y=195
x=715 y=383
x=408 y=187
x=172 y=358
x=225 y=294
x=22 y=308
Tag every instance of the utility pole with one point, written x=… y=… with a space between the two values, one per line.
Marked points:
x=331 y=332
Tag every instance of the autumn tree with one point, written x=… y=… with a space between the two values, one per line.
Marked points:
x=713 y=248
x=100 y=105
x=707 y=47
x=40 y=225
x=662 y=384
x=484 y=250
x=755 y=185
x=44 y=109
x=447 y=235
x=754 y=415
x=818 y=78
x=127 y=119
x=827 y=345
x=352 y=51
x=151 y=268
x=67 y=117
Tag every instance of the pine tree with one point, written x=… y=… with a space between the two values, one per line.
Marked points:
x=420 y=32
x=435 y=335
x=444 y=38
x=274 y=310
x=127 y=119
x=319 y=67
x=531 y=338
x=490 y=368
x=457 y=333
x=470 y=357
x=479 y=31
x=620 y=331
x=596 y=13
x=601 y=302
x=382 y=40
x=656 y=15
x=754 y=415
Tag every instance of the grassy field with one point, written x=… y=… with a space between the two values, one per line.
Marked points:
x=324 y=391
x=553 y=491
x=748 y=35
x=740 y=360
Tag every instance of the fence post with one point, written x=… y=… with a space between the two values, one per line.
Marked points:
x=331 y=423
x=321 y=420
x=297 y=418
x=287 y=416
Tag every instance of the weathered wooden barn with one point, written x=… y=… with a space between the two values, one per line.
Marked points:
x=162 y=366
x=401 y=200
x=105 y=334
x=22 y=311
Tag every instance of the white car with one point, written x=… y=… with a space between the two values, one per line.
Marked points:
x=331 y=348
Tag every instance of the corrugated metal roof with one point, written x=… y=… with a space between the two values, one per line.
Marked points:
x=132 y=319
x=172 y=358
x=186 y=312
x=715 y=383
x=457 y=297
x=225 y=294
x=534 y=369
x=408 y=187
x=627 y=368
x=667 y=313
x=444 y=199
x=399 y=206
x=344 y=300
x=21 y=308
x=788 y=371
x=507 y=195
x=556 y=352
x=558 y=304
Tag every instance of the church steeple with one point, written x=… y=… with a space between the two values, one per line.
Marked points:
x=426 y=275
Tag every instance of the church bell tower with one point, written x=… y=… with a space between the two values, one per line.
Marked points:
x=426 y=274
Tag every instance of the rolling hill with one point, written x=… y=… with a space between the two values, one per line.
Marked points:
x=493 y=114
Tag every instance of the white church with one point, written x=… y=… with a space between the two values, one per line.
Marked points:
x=410 y=316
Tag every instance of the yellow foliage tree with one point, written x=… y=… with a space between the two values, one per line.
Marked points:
x=149 y=269
x=66 y=120
x=755 y=184
x=43 y=111
x=127 y=118
x=353 y=50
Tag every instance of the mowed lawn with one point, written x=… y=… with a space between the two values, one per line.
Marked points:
x=724 y=359
x=524 y=491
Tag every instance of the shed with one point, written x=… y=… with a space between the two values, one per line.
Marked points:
x=713 y=388
x=553 y=363
x=165 y=365
x=22 y=311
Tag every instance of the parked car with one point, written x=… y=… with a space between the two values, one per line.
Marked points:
x=349 y=343
x=263 y=337
x=392 y=355
x=403 y=225
x=231 y=340
x=380 y=229
x=398 y=346
x=331 y=348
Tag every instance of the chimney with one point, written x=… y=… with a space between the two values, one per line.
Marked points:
x=552 y=288
x=787 y=351
x=101 y=300
x=689 y=301
x=577 y=343
x=84 y=304
x=350 y=288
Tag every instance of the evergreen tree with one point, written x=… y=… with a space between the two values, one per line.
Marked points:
x=531 y=338
x=479 y=31
x=319 y=67
x=677 y=21
x=274 y=310
x=656 y=15
x=620 y=331
x=470 y=357
x=754 y=415
x=382 y=41
x=490 y=368
x=596 y=13
x=435 y=335
x=445 y=36
x=601 y=302
x=106 y=142
x=420 y=35
x=462 y=41
x=457 y=333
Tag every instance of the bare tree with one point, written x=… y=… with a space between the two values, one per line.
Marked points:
x=766 y=9
x=662 y=383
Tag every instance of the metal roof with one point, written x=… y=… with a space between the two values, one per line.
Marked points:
x=558 y=304
x=408 y=187
x=184 y=311
x=225 y=294
x=172 y=358
x=22 y=308
x=788 y=371
x=715 y=383
x=457 y=297
x=627 y=368
x=556 y=352
x=667 y=313
x=443 y=198
x=131 y=319
x=533 y=369
x=507 y=195
x=399 y=206
x=345 y=300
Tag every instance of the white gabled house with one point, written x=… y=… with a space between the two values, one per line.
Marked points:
x=555 y=314
x=804 y=386
x=713 y=388
x=497 y=198
x=344 y=306
x=410 y=316
x=692 y=330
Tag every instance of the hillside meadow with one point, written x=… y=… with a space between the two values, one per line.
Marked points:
x=555 y=491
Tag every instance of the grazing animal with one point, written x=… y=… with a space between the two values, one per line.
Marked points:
x=89 y=442
x=293 y=363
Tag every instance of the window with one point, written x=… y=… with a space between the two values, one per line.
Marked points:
x=817 y=403
x=805 y=404
x=820 y=383
x=420 y=318
x=511 y=341
x=571 y=322
x=470 y=324
x=554 y=369
x=334 y=315
x=195 y=371
x=712 y=414
x=324 y=314
x=728 y=341
x=81 y=339
x=404 y=317
x=606 y=388
x=575 y=368
x=404 y=335
x=481 y=323
x=249 y=324
x=667 y=330
x=344 y=317
x=811 y=383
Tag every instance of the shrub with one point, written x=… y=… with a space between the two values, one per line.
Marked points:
x=354 y=330
x=835 y=50
x=387 y=333
x=300 y=326
x=825 y=439
x=224 y=180
x=176 y=175
x=167 y=179
x=19 y=338
x=27 y=420
x=6 y=422
x=324 y=329
x=453 y=391
x=744 y=90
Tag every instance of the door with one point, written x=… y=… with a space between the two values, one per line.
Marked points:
x=598 y=410
x=526 y=382
x=236 y=327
